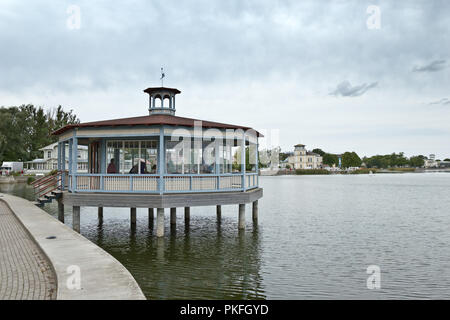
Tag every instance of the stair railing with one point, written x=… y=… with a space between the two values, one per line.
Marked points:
x=45 y=185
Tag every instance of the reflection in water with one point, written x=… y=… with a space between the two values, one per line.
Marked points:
x=198 y=263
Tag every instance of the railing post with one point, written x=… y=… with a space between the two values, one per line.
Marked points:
x=131 y=183
x=161 y=151
x=257 y=162
x=63 y=165
x=243 y=161
x=102 y=182
x=59 y=156
x=70 y=166
x=74 y=162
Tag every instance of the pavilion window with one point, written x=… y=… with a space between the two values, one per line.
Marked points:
x=175 y=163
x=130 y=163
x=251 y=157
x=149 y=155
x=208 y=159
x=129 y=154
x=226 y=165
x=183 y=156
x=192 y=156
x=236 y=152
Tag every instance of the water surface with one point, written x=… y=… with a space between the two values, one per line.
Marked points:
x=315 y=238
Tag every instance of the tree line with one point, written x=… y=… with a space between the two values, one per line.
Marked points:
x=26 y=129
x=351 y=159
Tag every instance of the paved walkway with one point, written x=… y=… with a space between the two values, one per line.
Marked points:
x=25 y=273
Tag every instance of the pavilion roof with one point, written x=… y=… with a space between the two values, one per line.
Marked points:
x=149 y=120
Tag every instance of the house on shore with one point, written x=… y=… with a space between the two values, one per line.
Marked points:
x=303 y=159
x=49 y=162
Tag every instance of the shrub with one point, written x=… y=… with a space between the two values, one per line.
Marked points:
x=53 y=172
x=311 y=171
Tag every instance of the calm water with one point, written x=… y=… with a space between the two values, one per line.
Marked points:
x=315 y=238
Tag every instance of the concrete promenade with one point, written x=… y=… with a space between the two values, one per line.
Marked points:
x=82 y=269
x=25 y=272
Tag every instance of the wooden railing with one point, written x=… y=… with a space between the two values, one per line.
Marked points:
x=47 y=184
x=170 y=183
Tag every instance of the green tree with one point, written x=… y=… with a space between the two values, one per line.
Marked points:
x=319 y=151
x=330 y=159
x=284 y=155
x=26 y=129
x=351 y=159
x=416 y=161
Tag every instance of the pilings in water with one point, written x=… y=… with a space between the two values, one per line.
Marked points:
x=160 y=222
x=133 y=217
x=187 y=215
x=151 y=217
x=173 y=216
x=241 y=216
x=76 y=218
x=100 y=214
x=160 y=216
x=60 y=211
x=255 y=211
x=219 y=212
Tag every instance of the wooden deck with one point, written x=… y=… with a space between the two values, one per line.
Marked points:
x=169 y=200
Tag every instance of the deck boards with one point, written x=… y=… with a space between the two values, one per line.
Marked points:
x=160 y=201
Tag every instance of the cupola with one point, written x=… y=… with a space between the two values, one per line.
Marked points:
x=161 y=100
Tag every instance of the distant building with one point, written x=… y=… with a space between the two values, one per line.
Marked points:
x=50 y=160
x=303 y=159
x=431 y=162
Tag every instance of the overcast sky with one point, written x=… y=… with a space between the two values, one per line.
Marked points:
x=329 y=74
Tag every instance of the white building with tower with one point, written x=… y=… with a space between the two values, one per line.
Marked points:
x=303 y=159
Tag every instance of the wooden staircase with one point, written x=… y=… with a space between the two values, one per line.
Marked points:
x=48 y=188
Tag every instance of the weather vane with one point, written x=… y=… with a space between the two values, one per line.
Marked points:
x=162 y=77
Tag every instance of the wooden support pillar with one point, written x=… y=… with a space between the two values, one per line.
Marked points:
x=100 y=213
x=151 y=217
x=187 y=215
x=133 y=216
x=60 y=211
x=242 y=216
x=76 y=218
x=160 y=222
x=255 y=210
x=173 y=215
x=219 y=212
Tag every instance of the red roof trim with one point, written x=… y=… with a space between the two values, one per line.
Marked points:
x=150 y=120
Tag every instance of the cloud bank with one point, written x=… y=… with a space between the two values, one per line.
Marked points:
x=345 y=89
x=434 y=66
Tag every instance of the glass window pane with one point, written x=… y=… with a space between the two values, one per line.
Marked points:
x=132 y=156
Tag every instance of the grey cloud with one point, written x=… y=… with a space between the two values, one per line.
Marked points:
x=434 y=66
x=444 y=102
x=210 y=42
x=345 y=89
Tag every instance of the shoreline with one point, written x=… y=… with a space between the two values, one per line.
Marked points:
x=13 y=179
x=102 y=277
x=323 y=172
